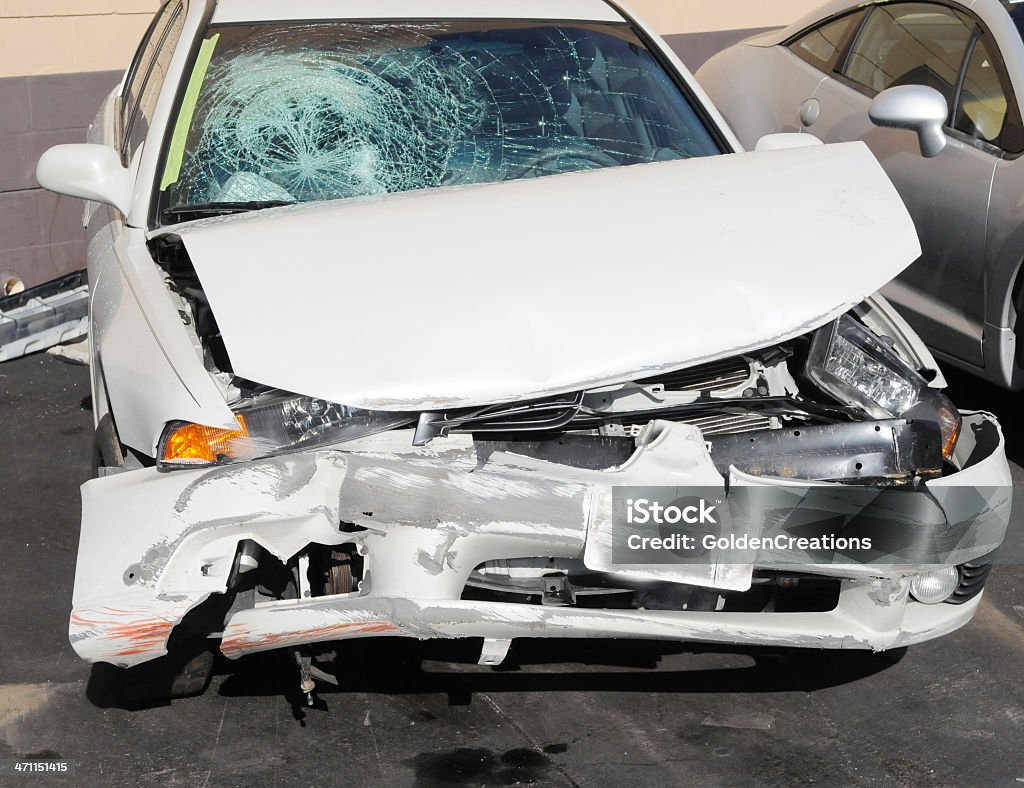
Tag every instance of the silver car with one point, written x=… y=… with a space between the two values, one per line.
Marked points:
x=844 y=72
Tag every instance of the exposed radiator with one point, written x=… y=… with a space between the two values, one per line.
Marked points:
x=715 y=376
x=730 y=424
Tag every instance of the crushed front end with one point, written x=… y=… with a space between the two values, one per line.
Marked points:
x=314 y=523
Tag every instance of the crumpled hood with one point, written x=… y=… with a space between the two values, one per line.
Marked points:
x=474 y=295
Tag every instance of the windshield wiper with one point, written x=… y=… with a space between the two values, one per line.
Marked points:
x=201 y=209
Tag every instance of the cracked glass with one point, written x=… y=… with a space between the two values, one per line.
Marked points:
x=297 y=112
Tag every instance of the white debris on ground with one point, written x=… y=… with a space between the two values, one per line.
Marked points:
x=76 y=352
x=10 y=284
x=41 y=317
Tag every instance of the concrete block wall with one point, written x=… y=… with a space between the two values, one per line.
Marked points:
x=61 y=57
x=40 y=233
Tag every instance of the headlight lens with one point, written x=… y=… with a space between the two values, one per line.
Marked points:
x=272 y=426
x=855 y=366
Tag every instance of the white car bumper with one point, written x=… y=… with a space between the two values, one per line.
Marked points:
x=156 y=545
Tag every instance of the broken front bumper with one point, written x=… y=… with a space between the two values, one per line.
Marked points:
x=155 y=545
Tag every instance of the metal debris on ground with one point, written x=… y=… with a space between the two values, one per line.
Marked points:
x=10 y=284
x=41 y=317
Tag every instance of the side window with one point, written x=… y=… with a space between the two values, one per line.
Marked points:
x=147 y=76
x=982 y=107
x=132 y=79
x=910 y=44
x=819 y=47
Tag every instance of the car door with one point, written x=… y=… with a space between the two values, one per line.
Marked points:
x=942 y=294
x=989 y=114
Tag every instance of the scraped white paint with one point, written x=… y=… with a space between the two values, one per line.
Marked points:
x=489 y=488
x=397 y=479
x=856 y=624
x=481 y=294
x=138 y=576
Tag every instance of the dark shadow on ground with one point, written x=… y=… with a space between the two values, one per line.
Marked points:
x=396 y=666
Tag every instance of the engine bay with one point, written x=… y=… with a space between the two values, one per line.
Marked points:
x=768 y=413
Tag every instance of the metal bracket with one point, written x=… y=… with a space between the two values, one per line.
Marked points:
x=494 y=651
x=558 y=591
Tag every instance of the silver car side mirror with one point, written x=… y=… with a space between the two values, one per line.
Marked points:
x=90 y=172
x=916 y=108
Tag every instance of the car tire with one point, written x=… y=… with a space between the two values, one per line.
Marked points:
x=185 y=671
x=106 y=447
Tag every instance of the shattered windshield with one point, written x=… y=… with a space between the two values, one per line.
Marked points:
x=295 y=112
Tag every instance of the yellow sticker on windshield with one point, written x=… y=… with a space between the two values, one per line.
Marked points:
x=176 y=151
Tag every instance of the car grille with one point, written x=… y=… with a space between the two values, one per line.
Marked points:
x=725 y=424
x=714 y=376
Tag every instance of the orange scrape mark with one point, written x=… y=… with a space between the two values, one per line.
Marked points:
x=139 y=632
x=236 y=639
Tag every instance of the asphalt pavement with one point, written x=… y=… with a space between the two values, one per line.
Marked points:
x=597 y=713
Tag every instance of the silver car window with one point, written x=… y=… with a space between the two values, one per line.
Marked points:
x=983 y=105
x=297 y=112
x=820 y=46
x=910 y=44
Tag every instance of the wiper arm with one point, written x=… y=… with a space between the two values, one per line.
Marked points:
x=201 y=209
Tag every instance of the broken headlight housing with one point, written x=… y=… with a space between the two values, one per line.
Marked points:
x=270 y=426
x=853 y=365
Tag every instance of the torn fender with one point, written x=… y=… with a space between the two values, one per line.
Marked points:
x=479 y=294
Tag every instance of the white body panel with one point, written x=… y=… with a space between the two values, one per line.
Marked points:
x=152 y=371
x=147 y=365
x=500 y=321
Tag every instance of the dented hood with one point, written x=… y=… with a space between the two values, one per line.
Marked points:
x=482 y=294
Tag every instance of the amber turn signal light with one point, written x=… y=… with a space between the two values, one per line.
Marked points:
x=950 y=424
x=197 y=443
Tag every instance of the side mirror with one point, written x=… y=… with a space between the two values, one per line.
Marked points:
x=917 y=108
x=91 y=172
x=787 y=140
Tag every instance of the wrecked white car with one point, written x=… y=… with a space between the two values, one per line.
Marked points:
x=358 y=370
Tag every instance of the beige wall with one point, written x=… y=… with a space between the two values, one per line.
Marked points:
x=704 y=16
x=65 y=36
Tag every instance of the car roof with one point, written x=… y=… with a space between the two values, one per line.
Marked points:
x=292 y=10
x=835 y=7
x=993 y=12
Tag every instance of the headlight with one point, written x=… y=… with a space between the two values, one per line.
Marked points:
x=272 y=426
x=855 y=366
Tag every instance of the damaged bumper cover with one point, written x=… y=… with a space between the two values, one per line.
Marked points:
x=156 y=545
